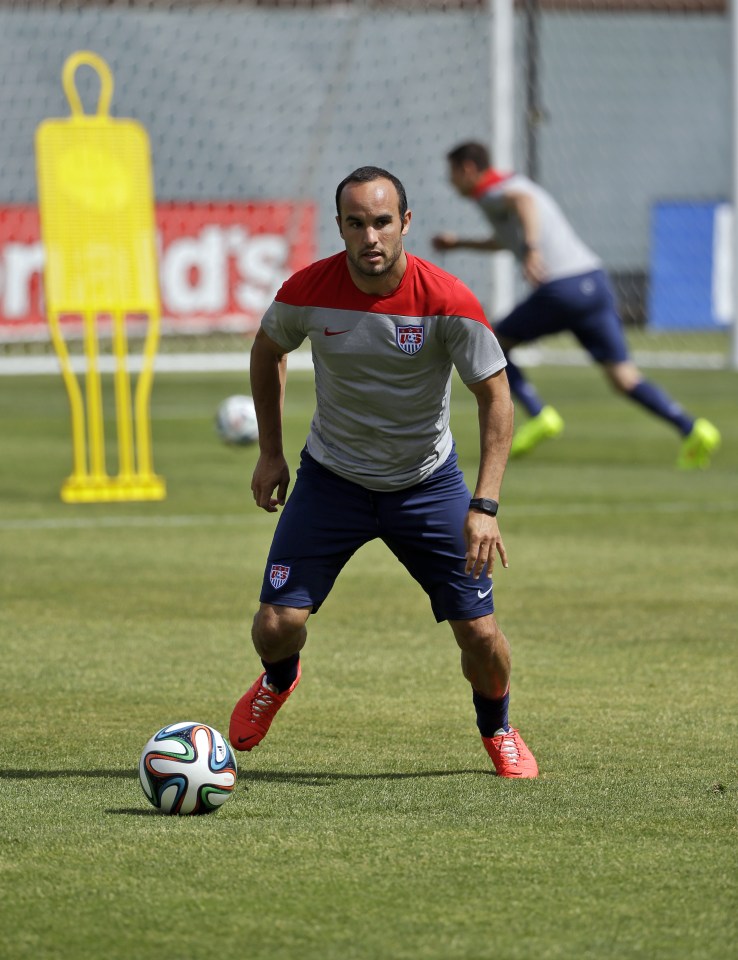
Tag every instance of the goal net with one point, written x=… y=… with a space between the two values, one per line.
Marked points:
x=255 y=111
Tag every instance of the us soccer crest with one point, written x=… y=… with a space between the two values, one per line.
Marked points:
x=410 y=339
x=278 y=575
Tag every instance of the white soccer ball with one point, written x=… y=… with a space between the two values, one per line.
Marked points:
x=187 y=768
x=235 y=420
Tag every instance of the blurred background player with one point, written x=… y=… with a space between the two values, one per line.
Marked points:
x=570 y=292
x=386 y=328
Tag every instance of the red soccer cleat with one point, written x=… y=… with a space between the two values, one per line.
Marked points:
x=510 y=755
x=253 y=714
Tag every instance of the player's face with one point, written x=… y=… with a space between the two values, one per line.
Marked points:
x=372 y=229
x=464 y=177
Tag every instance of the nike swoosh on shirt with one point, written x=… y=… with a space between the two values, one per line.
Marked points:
x=485 y=594
x=333 y=333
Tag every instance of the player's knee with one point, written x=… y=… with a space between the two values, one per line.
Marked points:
x=481 y=633
x=619 y=385
x=278 y=632
x=623 y=377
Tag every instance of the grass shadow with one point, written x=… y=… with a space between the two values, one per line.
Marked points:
x=136 y=811
x=325 y=778
x=55 y=774
x=310 y=778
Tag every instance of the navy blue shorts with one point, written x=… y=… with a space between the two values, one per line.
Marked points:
x=327 y=518
x=583 y=305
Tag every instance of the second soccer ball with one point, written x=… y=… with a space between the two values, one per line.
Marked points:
x=235 y=420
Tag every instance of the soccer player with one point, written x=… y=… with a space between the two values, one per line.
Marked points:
x=570 y=292
x=386 y=328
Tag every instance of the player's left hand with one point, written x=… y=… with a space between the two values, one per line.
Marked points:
x=483 y=542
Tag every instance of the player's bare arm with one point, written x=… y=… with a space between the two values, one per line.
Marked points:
x=481 y=531
x=450 y=241
x=268 y=373
x=524 y=208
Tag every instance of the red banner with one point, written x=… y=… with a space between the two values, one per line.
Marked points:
x=220 y=264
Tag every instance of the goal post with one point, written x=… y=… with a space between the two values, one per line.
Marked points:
x=502 y=125
x=733 y=355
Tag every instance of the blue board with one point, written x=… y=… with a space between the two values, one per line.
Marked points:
x=683 y=266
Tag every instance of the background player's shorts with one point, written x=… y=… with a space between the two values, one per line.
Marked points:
x=584 y=305
x=326 y=519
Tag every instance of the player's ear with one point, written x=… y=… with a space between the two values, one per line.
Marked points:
x=406 y=221
x=338 y=221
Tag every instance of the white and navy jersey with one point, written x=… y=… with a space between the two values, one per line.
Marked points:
x=564 y=253
x=383 y=366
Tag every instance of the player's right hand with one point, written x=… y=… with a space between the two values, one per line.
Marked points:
x=534 y=268
x=445 y=241
x=271 y=473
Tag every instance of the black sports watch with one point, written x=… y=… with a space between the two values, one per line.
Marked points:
x=484 y=505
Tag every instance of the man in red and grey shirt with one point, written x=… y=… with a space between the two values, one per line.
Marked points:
x=386 y=331
x=570 y=291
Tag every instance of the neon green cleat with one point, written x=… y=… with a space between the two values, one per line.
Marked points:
x=544 y=426
x=697 y=447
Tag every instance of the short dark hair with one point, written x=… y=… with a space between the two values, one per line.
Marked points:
x=367 y=175
x=471 y=151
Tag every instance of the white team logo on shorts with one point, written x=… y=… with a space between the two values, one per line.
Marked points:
x=588 y=287
x=410 y=339
x=278 y=575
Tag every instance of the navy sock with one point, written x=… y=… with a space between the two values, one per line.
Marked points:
x=283 y=673
x=522 y=390
x=653 y=398
x=491 y=714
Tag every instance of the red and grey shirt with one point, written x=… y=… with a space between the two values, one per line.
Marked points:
x=564 y=253
x=383 y=366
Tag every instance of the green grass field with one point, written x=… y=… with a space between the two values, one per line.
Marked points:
x=368 y=825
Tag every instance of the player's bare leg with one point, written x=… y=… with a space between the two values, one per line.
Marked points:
x=278 y=635
x=485 y=655
x=485 y=662
x=623 y=376
x=279 y=632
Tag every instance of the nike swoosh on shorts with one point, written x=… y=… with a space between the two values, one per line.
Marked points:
x=485 y=594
